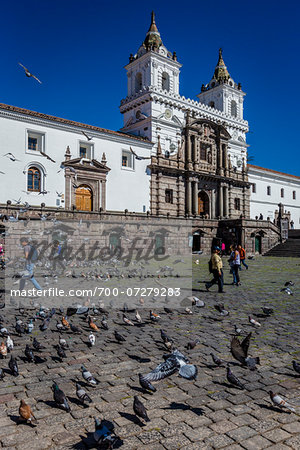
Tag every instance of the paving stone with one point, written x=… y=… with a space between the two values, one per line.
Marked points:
x=293 y=427
x=256 y=443
x=277 y=435
x=223 y=426
x=241 y=433
x=175 y=442
x=219 y=441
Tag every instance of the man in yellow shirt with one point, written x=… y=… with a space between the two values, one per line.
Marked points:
x=217 y=270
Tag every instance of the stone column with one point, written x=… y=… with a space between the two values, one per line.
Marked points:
x=225 y=159
x=229 y=202
x=225 y=201
x=188 y=151
x=188 y=197
x=213 y=204
x=220 y=200
x=195 y=197
x=103 y=196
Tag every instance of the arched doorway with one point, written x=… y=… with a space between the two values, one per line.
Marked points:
x=203 y=204
x=84 y=198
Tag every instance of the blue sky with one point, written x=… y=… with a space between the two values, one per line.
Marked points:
x=79 y=48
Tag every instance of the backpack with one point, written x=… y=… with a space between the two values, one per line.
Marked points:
x=33 y=254
x=210 y=269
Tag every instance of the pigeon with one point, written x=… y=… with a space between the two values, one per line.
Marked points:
x=37 y=345
x=289 y=283
x=154 y=317
x=296 y=366
x=13 y=366
x=19 y=327
x=29 y=354
x=75 y=329
x=168 y=310
x=237 y=330
x=63 y=343
x=140 y=410
x=104 y=434
x=60 y=398
x=287 y=290
x=164 y=336
x=92 y=340
x=220 y=308
x=266 y=310
x=104 y=323
x=197 y=302
x=45 y=324
x=188 y=310
x=127 y=321
x=3 y=331
x=2 y=374
x=240 y=352
x=234 y=380
x=217 y=361
x=139 y=158
x=3 y=350
x=65 y=322
x=92 y=325
x=146 y=384
x=60 y=351
x=82 y=394
x=88 y=137
x=119 y=337
x=254 y=322
x=88 y=377
x=47 y=156
x=138 y=317
x=30 y=326
x=174 y=362
x=26 y=413
x=29 y=74
x=125 y=307
x=278 y=401
x=192 y=344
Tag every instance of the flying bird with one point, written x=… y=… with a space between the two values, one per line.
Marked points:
x=11 y=157
x=29 y=74
x=174 y=362
x=239 y=351
x=47 y=156
x=88 y=137
x=140 y=158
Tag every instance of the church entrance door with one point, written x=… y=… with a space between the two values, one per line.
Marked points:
x=84 y=198
x=203 y=204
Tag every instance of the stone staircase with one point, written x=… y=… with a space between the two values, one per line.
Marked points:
x=291 y=247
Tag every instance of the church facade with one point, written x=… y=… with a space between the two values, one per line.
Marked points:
x=174 y=157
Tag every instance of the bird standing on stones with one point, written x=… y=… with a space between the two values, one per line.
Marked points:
x=29 y=74
x=26 y=413
x=278 y=401
x=237 y=330
x=60 y=398
x=192 y=344
x=37 y=345
x=154 y=317
x=197 y=302
x=234 y=380
x=289 y=283
x=82 y=394
x=140 y=410
x=29 y=354
x=127 y=321
x=296 y=366
x=9 y=343
x=65 y=322
x=188 y=310
x=45 y=324
x=146 y=384
x=75 y=329
x=2 y=374
x=88 y=377
x=92 y=324
x=218 y=361
x=254 y=322
x=13 y=366
x=287 y=290
x=119 y=337
x=138 y=317
x=63 y=343
x=60 y=352
x=104 y=434
x=266 y=310
x=221 y=309
x=104 y=323
x=92 y=340
x=3 y=350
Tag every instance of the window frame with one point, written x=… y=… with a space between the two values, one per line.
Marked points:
x=165 y=80
x=132 y=158
x=36 y=168
x=41 y=137
x=169 y=196
x=89 y=146
x=269 y=190
x=233 y=102
x=253 y=188
x=294 y=195
x=237 y=204
x=281 y=192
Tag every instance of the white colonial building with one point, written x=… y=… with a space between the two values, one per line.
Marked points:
x=188 y=153
x=269 y=188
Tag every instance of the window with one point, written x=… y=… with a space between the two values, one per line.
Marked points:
x=294 y=195
x=127 y=159
x=138 y=82
x=34 y=179
x=281 y=192
x=268 y=190
x=233 y=108
x=165 y=81
x=237 y=204
x=35 y=141
x=254 y=188
x=86 y=150
x=169 y=195
x=203 y=151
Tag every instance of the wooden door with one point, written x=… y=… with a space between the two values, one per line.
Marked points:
x=84 y=199
x=200 y=205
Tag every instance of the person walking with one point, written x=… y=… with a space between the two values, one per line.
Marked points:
x=217 y=270
x=235 y=262
x=31 y=255
x=242 y=253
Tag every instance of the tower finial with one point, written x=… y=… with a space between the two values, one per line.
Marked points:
x=152 y=17
x=220 y=52
x=153 y=40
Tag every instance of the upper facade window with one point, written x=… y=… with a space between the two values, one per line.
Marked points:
x=254 y=188
x=127 y=160
x=86 y=150
x=34 y=179
x=233 y=108
x=268 y=190
x=169 y=195
x=281 y=192
x=294 y=195
x=165 y=81
x=35 y=141
x=237 y=204
x=138 y=82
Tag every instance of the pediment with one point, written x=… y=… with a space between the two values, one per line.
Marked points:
x=91 y=165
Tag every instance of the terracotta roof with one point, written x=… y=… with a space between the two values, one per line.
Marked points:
x=273 y=171
x=28 y=112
